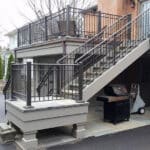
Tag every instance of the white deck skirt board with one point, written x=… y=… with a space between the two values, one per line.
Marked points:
x=20 y=104
x=53 y=49
x=48 y=49
x=44 y=115
x=115 y=70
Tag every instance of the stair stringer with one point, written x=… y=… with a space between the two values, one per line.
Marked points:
x=100 y=82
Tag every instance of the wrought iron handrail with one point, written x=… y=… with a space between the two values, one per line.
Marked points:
x=7 y=86
x=66 y=77
x=119 y=32
x=45 y=77
x=85 y=46
x=66 y=22
x=27 y=85
x=98 y=38
x=106 y=54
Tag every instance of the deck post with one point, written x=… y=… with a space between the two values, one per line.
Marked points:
x=28 y=87
x=99 y=22
x=18 y=38
x=46 y=31
x=11 y=80
x=80 y=82
x=129 y=28
x=114 y=50
x=29 y=29
x=55 y=81
x=68 y=20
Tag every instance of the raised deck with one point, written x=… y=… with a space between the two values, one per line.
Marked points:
x=46 y=115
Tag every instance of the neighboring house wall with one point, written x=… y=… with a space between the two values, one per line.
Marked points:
x=119 y=7
x=13 y=41
x=96 y=20
x=12 y=36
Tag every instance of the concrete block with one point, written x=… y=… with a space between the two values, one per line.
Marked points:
x=79 y=131
x=7 y=133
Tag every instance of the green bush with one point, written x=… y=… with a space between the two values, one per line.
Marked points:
x=1 y=68
x=10 y=60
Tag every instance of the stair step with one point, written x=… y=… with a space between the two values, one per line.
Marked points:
x=75 y=86
x=109 y=57
x=101 y=68
x=122 y=47
x=71 y=91
x=69 y=94
x=94 y=73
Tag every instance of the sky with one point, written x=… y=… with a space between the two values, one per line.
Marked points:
x=11 y=16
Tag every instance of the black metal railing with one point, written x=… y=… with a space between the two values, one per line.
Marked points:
x=45 y=82
x=106 y=54
x=67 y=22
x=107 y=31
x=7 y=88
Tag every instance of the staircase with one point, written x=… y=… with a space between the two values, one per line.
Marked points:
x=71 y=58
x=84 y=72
x=106 y=60
x=105 y=32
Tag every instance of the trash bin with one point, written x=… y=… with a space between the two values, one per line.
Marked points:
x=116 y=103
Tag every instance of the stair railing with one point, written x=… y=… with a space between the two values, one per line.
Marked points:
x=43 y=81
x=103 y=56
x=115 y=47
x=98 y=38
x=105 y=32
x=6 y=87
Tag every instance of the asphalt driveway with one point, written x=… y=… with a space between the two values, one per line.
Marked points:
x=137 y=139
x=2 y=119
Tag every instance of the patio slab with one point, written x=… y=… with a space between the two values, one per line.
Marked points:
x=97 y=127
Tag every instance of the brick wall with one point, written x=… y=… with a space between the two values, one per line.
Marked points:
x=118 y=7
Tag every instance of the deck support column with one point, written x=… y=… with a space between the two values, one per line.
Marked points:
x=29 y=140
x=79 y=130
x=55 y=93
x=28 y=87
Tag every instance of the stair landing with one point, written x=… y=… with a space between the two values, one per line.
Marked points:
x=45 y=115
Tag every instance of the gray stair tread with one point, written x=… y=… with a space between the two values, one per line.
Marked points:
x=70 y=92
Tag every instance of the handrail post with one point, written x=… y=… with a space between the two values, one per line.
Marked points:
x=68 y=20
x=28 y=87
x=46 y=32
x=129 y=17
x=99 y=21
x=18 y=38
x=29 y=29
x=55 y=81
x=11 y=81
x=80 y=82
x=114 y=49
